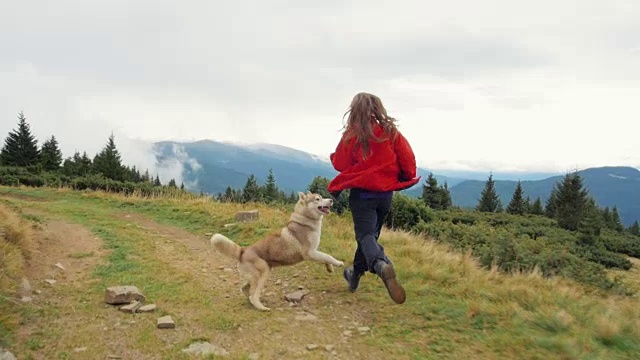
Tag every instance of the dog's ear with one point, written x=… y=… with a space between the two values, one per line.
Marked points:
x=301 y=196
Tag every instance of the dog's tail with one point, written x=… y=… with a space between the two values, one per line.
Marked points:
x=224 y=245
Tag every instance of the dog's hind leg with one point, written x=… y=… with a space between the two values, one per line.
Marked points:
x=258 y=283
x=247 y=275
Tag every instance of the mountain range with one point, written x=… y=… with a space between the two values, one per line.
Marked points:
x=212 y=166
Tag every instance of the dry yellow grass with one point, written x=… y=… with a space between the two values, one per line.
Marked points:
x=15 y=249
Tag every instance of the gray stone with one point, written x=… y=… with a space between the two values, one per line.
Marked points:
x=304 y=316
x=147 y=308
x=364 y=329
x=311 y=347
x=165 y=322
x=117 y=295
x=329 y=348
x=296 y=296
x=59 y=266
x=132 y=307
x=6 y=355
x=25 y=288
x=250 y=215
x=50 y=281
x=205 y=348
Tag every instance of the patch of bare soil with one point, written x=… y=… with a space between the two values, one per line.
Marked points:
x=70 y=246
x=23 y=197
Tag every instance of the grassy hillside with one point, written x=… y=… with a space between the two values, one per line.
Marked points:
x=455 y=309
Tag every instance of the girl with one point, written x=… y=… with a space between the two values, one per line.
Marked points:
x=373 y=160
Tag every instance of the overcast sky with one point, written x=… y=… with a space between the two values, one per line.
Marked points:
x=484 y=85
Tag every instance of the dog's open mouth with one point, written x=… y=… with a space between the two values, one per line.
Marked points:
x=324 y=209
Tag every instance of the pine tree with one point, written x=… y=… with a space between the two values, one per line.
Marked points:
x=570 y=202
x=50 y=155
x=489 y=200
x=85 y=165
x=590 y=224
x=77 y=165
x=606 y=217
x=550 y=204
x=536 y=208
x=634 y=229
x=108 y=162
x=616 y=223
x=517 y=205
x=251 y=190
x=146 y=177
x=431 y=192
x=182 y=186
x=229 y=195
x=527 y=205
x=20 y=147
x=446 y=196
x=435 y=196
x=270 y=188
x=172 y=183
x=157 y=182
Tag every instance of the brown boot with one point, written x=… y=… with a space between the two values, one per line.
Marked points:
x=388 y=275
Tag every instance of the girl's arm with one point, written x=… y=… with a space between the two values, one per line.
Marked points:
x=406 y=158
x=342 y=158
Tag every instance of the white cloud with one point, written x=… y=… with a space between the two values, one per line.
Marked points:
x=492 y=85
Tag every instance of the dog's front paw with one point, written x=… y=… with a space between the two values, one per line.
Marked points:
x=329 y=267
x=340 y=263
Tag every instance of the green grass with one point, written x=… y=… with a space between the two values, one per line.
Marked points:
x=454 y=308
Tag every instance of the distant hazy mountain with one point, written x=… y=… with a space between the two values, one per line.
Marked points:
x=609 y=186
x=226 y=164
x=213 y=166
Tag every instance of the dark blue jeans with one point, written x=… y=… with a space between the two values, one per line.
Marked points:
x=369 y=211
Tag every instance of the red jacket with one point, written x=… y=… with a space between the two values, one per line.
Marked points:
x=390 y=166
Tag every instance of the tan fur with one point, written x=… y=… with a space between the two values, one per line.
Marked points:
x=294 y=243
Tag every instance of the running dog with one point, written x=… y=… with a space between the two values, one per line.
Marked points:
x=296 y=242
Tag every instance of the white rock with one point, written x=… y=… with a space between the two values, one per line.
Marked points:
x=205 y=348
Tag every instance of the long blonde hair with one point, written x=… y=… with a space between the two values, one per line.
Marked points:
x=365 y=110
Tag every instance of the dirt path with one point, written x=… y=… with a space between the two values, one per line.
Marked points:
x=323 y=318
